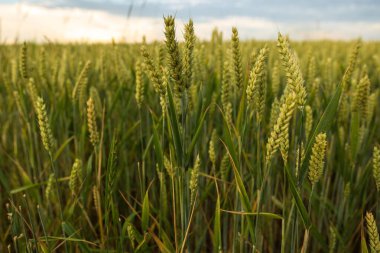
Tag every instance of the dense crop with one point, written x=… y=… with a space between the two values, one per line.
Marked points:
x=193 y=146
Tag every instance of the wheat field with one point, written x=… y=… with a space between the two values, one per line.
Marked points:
x=188 y=145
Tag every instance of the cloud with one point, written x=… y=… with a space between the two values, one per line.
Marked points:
x=39 y=23
x=29 y=22
x=279 y=10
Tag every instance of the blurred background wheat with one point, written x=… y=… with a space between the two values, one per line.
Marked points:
x=127 y=129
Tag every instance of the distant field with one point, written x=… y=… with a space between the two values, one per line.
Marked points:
x=194 y=146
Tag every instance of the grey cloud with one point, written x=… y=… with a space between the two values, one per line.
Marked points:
x=276 y=10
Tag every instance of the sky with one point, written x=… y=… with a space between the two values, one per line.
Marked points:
x=130 y=20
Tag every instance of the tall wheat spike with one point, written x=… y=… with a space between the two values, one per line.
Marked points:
x=194 y=179
x=24 y=61
x=308 y=121
x=139 y=93
x=332 y=240
x=174 y=58
x=376 y=166
x=49 y=186
x=91 y=122
x=256 y=89
x=32 y=91
x=75 y=176
x=276 y=80
x=362 y=96
x=153 y=73
x=81 y=83
x=236 y=58
x=295 y=82
x=346 y=81
x=211 y=148
x=43 y=122
x=317 y=159
x=226 y=85
x=373 y=235
x=281 y=128
x=189 y=53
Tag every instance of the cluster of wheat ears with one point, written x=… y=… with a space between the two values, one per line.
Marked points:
x=193 y=146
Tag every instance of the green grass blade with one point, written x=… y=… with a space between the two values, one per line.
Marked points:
x=157 y=146
x=196 y=135
x=217 y=228
x=262 y=214
x=323 y=125
x=62 y=147
x=302 y=209
x=354 y=134
x=239 y=182
x=175 y=127
x=145 y=213
x=70 y=232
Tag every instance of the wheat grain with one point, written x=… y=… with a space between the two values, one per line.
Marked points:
x=317 y=159
x=236 y=58
x=281 y=128
x=91 y=122
x=374 y=241
x=43 y=122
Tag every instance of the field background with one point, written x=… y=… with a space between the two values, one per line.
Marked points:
x=157 y=148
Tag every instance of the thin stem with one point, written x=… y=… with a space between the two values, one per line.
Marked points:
x=283 y=234
x=59 y=200
x=174 y=216
x=31 y=222
x=142 y=177
x=43 y=228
